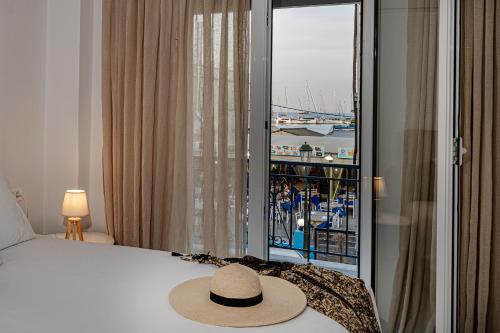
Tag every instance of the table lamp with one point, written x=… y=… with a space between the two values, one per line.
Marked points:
x=74 y=207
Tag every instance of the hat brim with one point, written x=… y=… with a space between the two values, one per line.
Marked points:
x=282 y=301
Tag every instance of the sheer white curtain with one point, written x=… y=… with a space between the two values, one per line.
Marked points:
x=220 y=109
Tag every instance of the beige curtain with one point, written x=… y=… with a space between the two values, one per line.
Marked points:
x=413 y=302
x=479 y=278
x=175 y=96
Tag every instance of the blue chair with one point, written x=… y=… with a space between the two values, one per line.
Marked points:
x=324 y=225
x=336 y=210
x=339 y=211
x=286 y=206
x=297 y=200
x=316 y=200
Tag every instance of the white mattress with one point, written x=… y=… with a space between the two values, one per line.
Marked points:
x=50 y=285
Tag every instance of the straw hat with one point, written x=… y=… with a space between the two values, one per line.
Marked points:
x=236 y=296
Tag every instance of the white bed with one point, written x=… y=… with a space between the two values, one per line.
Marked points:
x=56 y=286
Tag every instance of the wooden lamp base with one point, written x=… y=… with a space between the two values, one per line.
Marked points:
x=72 y=226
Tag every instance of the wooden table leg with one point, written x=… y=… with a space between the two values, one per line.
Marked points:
x=80 y=233
x=68 y=229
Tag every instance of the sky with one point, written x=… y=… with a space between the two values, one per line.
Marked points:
x=313 y=44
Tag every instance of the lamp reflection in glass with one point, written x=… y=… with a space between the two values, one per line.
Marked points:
x=74 y=207
x=379 y=188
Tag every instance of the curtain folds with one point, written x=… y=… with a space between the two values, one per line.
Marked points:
x=413 y=300
x=479 y=293
x=175 y=123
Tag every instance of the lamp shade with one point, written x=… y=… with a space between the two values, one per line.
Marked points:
x=75 y=204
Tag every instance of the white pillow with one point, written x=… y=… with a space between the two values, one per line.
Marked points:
x=14 y=226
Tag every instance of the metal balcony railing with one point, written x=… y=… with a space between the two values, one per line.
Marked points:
x=314 y=210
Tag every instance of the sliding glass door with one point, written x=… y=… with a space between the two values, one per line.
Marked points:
x=405 y=165
x=385 y=193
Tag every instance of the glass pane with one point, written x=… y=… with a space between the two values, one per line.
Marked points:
x=404 y=189
x=314 y=167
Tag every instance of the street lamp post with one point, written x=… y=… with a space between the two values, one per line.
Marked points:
x=329 y=174
x=305 y=156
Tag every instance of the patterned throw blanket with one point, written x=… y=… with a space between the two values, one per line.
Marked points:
x=338 y=296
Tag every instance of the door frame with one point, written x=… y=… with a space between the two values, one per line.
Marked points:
x=259 y=141
x=260 y=111
x=368 y=70
x=447 y=217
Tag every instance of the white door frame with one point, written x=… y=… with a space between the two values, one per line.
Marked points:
x=260 y=111
x=445 y=217
x=366 y=159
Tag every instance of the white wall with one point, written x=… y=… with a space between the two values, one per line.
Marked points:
x=50 y=122
x=22 y=78
x=61 y=106
x=96 y=198
x=90 y=121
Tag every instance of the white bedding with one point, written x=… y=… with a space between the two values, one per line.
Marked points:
x=50 y=285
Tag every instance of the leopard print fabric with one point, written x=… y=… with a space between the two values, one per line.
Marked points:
x=338 y=296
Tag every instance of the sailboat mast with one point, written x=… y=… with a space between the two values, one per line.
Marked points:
x=286 y=105
x=311 y=98
x=323 y=108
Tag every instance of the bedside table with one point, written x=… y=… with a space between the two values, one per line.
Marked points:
x=91 y=237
